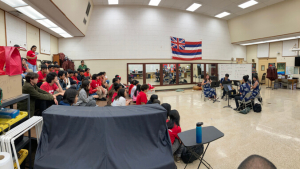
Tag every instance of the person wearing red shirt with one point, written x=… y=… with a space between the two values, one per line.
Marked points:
x=87 y=72
x=103 y=80
x=51 y=85
x=31 y=58
x=142 y=97
x=174 y=128
x=115 y=80
x=130 y=87
x=56 y=69
x=117 y=87
x=96 y=89
x=42 y=75
x=25 y=68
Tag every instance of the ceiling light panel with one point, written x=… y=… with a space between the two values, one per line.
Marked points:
x=193 y=7
x=66 y=35
x=248 y=4
x=113 y=2
x=154 y=2
x=58 y=30
x=30 y=12
x=222 y=15
x=47 y=23
x=14 y=3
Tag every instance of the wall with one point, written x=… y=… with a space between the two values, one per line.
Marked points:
x=278 y=19
x=137 y=32
x=75 y=10
x=2 y=29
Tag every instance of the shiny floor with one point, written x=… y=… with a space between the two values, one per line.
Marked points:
x=274 y=133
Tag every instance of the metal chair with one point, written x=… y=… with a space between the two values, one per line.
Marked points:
x=244 y=102
x=202 y=94
x=284 y=83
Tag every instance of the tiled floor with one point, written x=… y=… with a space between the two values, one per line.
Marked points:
x=274 y=133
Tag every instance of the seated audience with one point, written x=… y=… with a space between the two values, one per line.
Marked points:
x=117 y=87
x=56 y=69
x=135 y=83
x=74 y=77
x=208 y=91
x=55 y=63
x=87 y=73
x=71 y=74
x=50 y=68
x=156 y=101
x=83 y=98
x=70 y=97
x=136 y=93
x=30 y=87
x=256 y=162
x=42 y=75
x=255 y=87
x=142 y=97
x=123 y=85
x=106 y=79
x=130 y=87
x=25 y=68
x=102 y=80
x=167 y=106
x=152 y=98
x=82 y=65
x=174 y=128
x=52 y=85
x=120 y=99
x=96 y=89
x=62 y=80
x=244 y=89
x=115 y=80
x=81 y=76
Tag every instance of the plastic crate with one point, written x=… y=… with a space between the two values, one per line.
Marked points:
x=22 y=154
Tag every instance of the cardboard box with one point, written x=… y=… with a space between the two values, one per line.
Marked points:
x=11 y=86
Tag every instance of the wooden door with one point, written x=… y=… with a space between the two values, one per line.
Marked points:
x=263 y=65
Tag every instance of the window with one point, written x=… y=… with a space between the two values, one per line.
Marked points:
x=198 y=73
x=212 y=71
x=169 y=74
x=153 y=74
x=185 y=73
x=135 y=72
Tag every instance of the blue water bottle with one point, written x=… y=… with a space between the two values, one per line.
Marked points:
x=199 y=132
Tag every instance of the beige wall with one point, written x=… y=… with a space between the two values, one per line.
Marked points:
x=114 y=67
x=251 y=52
x=278 y=19
x=2 y=29
x=75 y=11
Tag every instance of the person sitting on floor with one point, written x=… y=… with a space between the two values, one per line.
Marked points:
x=83 y=98
x=167 y=106
x=70 y=97
x=244 y=89
x=136 y=93
x=96 y=89
x=56 y=69
x=156 y=101
x=30 y=87
x=130 y=87
x=102 y=81
x=62 y=80
x=174 y=128
x=81 y=76
x=135 y=83
x=52 y=85
x=115 y=80
x=50 y=68
x=106 y=78
x=87 y=73
x=208 y=91
x=42 y=75
x=142 y=97
x=152 y=98
x=120 y=99
x=117 y=87
x=123 y=85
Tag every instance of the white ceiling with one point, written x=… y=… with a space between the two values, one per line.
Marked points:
x=209 y=7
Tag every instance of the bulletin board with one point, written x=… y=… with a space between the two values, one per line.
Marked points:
x=45 y=42
x=15 y=31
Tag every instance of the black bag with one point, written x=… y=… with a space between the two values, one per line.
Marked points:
x=188 y=157
x=257 y=108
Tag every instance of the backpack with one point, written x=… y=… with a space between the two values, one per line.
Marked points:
x=257 y=108
x=188 y=157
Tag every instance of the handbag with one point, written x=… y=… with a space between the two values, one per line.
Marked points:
x=11 y=58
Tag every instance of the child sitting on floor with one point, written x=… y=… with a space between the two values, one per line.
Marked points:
x=70 y=97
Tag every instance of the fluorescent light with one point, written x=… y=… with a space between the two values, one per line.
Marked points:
x=113 y=2
x=223 y=14
x=58 y=30
x=248 y=4
x=14 y=3
x=275 y=40
x=193 y=7
x=66 y=35
x=30 y=12
x=47 y=23
x=287 y=38
x=154 y=2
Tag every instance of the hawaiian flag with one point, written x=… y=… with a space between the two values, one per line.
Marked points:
x=183 y=50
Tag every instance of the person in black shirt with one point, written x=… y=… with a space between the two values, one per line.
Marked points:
x=81 y=76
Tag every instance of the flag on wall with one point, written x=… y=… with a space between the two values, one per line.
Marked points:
x=183 y=50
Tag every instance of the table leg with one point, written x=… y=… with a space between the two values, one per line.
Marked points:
x=203 y=155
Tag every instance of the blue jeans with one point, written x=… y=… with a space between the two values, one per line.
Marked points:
x=23 y=75
x=78 y=85
x=107 y=81
x=94 y=94
x=32 y=67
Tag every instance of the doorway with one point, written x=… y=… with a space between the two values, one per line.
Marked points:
x=263 y=65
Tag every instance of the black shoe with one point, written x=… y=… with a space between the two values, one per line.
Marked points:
x=222 y=97
x=236 y=109
x=103 y=99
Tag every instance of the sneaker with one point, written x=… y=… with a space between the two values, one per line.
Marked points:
x=177 y=159
x=236 y=109
x=222 y=97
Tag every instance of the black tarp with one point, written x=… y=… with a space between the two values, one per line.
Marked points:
x=131 y=137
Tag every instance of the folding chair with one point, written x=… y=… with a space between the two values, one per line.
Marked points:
x=244 y=102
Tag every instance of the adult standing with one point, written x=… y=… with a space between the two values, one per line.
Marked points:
x=82 y=66
x=31 y=58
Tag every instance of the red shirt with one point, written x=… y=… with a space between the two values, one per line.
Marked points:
x=92 y=90
x=56 y=72
x=41 y=76
x=94 y=84
x=141 y=98
x=130 y=87
x=173 y=133
x=113 y=97
x=86 y=74
x=24 y=69
x=31 y=54
x=110 y=87
x=75 y=78
x=50 y=89
x=99 y=82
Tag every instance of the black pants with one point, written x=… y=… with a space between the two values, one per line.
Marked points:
x=224 y=92
x=42 y=105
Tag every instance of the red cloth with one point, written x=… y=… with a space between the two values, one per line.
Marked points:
x=56 y=72
x=130 y=87
x=11 y=58
x=110 y=87
x=113 y=97
x=71 y=65
x=50 y=89
x=65 y=65
x=31 y=54
x=141 y=98
x=61 y=56
x=272 y=73
x=99 y=82
x=23 y=69
x=75 y=79
x=173 y=133
x=94 y=84
x=92 y=90
x=41 y=76
x=86 y=74
x=150 y=87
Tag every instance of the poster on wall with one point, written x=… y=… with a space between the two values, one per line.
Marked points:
x=281 y=68
x=289 y=70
